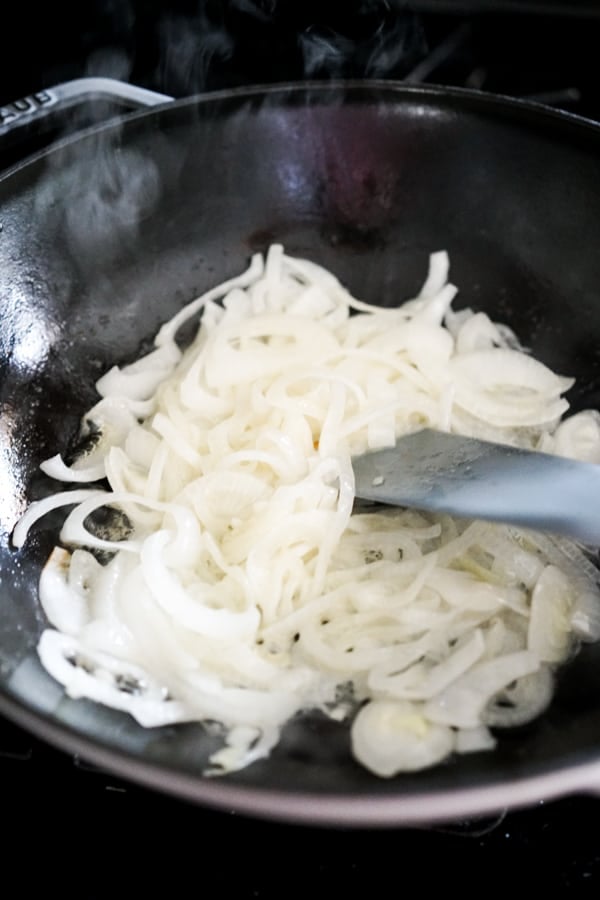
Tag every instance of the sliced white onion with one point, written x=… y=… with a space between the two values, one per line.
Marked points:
x=585 y=615
x=168 y=592
x=242 y=588
x=168 y=331
x=394 y=736
x=115 y=683
x=56 y=468
x=549 y=635
x=474 y=740
x=140 y=380
x=66 y=607
x=437 y=276
x=40 y=508
x=462 y=704
x=521 y=701
x=578 y=437
x=508 y=388
x=243 y=746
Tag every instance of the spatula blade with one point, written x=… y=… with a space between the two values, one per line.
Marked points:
x=470 y=478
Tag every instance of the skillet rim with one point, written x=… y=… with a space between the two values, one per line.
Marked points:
x=460 y=95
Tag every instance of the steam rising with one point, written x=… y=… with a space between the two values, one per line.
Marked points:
x=109 y=62
x=98 y=190
x=266 y=41
x=108 y=187
x=190 y=50
x=113 y=189
x=387 y=49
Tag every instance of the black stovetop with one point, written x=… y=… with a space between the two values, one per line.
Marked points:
x=181 y=48
x=80 y=812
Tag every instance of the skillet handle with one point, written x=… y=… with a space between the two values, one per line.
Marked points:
x=33 y=122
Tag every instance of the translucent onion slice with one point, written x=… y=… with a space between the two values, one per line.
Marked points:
x=56 y=468
x=521 y=701
x=40 y=508
x=394 y=736
x=102 y=678
x=462 y=703
x=474 y=740
x=140 y=380
x=65 y=606
x=578 y=437
x=507 y=388
x=549 y=634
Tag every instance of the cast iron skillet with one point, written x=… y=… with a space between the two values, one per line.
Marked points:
x=108 y=234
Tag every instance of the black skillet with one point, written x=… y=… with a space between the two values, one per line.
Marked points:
x=106 y=235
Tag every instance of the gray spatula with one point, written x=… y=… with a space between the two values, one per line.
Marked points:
x=469 y=478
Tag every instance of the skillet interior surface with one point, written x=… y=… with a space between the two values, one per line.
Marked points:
x=106 y=236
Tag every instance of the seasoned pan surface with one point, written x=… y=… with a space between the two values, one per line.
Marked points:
x=107 y=235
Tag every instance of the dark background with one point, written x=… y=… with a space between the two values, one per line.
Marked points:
x=182 y=47
x=60 y=809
